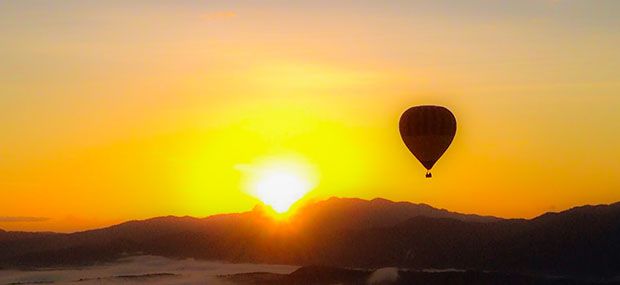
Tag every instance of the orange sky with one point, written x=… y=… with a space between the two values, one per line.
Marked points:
x=116 y=111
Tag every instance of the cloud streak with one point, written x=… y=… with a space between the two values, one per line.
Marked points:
x=220 y=15
x=9 y=219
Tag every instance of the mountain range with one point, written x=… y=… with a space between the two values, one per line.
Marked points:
x=582 y=242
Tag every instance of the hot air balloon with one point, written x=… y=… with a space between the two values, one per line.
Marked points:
x=427 y=132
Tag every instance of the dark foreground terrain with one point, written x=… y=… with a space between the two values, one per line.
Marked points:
x=582 y=243
x=316 y=275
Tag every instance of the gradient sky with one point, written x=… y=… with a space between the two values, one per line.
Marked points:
x=116 y=110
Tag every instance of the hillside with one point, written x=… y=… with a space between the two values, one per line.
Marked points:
x=583 y=241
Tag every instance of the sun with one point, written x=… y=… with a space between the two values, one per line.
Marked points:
x=281 y=188
x=279 y=183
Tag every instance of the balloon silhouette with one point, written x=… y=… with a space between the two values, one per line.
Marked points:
x=427 y=132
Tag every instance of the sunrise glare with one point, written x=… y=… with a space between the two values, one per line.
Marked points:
x=279 y=182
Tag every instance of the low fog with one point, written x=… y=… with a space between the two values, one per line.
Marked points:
x=383 y=276
x=155 y=270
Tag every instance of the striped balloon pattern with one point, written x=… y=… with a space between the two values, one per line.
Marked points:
x=427 y=132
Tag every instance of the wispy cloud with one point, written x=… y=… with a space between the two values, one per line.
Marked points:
x=220 y=15
x=8 y=219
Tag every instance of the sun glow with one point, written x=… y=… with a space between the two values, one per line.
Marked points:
x=280 y=189
x=280 y=183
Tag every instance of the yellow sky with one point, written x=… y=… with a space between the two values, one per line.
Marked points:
x=116 y=111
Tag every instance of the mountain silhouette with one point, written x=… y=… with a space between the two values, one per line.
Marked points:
x=580 y=242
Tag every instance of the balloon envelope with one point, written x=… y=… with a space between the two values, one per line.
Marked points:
x=427 y=132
